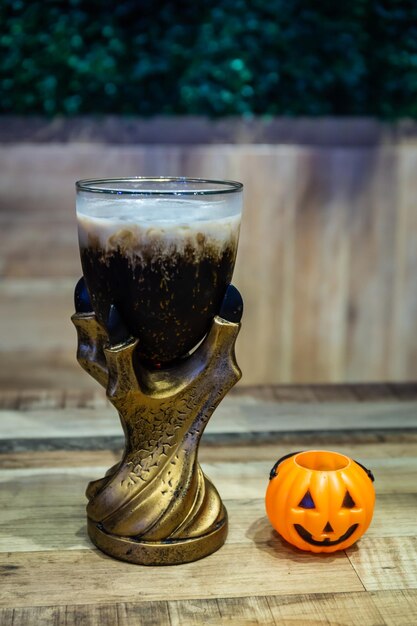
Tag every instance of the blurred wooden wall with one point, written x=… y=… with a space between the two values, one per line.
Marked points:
x=326 y=265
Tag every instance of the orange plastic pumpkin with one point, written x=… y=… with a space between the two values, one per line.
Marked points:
x=319 y=500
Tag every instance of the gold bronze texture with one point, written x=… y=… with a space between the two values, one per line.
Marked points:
x=156 y=506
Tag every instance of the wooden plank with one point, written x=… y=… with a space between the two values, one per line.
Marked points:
x=193 y=612
x=41 y=523
x=320 y=276
x=59 y=458
x=338 y=236
x=397 y=608
x=42 y=398
x=248 y=480
x=43 y=369
x=393 y=475
x=6 y=617
x=234 y=480
x=245 y=611
x=372 y=240
x=145 y=614
x=324 y=608
x=265 y=269
x=396 y=454
x=90 y=577
x=390 y=461
x=292 y=441
x=392 y=608
x=44 y=507
x=394 y=516
x=122 y=614
x=386 y=562
x=365 y=453
x=34 y=249
x=46 y=522
x=38 y=350
x=370 y=392
x=249 y=611
x=90 y=615
x=404 y=391
x=403 y=352
x=236 y=414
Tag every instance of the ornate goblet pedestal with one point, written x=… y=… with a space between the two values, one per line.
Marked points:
x=156 y=506
x=162 y=252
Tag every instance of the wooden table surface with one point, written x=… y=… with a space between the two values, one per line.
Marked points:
x=54 y=442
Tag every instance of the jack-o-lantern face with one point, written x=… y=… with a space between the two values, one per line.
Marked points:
x=320 y=501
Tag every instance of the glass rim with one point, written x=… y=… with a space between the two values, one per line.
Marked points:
x=110 y=186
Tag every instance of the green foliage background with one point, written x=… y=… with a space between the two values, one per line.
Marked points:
x=217 y=58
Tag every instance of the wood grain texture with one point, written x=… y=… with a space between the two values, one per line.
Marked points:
x=386 y=450
x=25 y=399
x=146 y=613
x=89 y=576
x=348 y=609
x=397 y=608
x=326 y=263
x=250 y=611
x=386 y=562
x=39 y=514
x=234 y=415
x=372 y=228
x=403 y=352
x=34 y=523
x=392 y=608
x=50 y=574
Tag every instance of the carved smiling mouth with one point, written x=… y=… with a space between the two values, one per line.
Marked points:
x=308 y=537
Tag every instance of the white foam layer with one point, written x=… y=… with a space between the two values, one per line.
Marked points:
x=172 y=222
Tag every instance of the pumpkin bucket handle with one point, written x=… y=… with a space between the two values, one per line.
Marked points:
x=274 y=468
x=273 y=471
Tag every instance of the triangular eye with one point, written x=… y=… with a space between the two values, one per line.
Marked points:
x=307 y=502
x=348 y=502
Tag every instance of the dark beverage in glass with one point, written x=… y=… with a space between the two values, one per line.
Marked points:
x=162 y=250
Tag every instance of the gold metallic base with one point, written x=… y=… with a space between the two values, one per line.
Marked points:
x=158 y=491
x=170 y=552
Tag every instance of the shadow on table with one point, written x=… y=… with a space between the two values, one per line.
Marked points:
x=268 y=540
